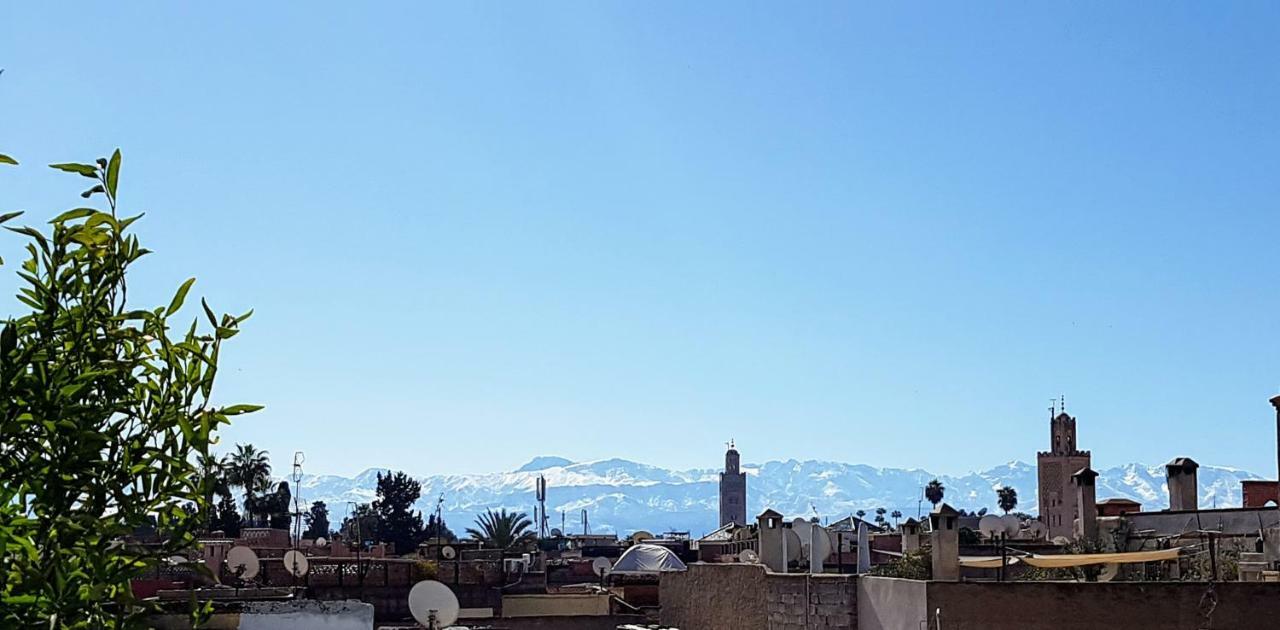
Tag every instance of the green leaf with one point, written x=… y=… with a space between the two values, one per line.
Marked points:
x=9 y=215
x=180 y=297
x=113 y=173
x=71 y=215
x=84 y=169
x=4 y=159
x=235 y=410
x=213 y=321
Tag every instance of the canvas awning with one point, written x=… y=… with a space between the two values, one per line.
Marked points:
x=986 y=562
x=1085 y=559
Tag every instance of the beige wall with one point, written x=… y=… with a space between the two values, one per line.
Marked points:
x=714 y=597
x=558 y=605
x=891 y=604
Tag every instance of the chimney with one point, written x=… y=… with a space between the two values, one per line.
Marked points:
x=1086 y=503
x=1181 y=475
x=910 y=535
x=771 y=538
x=946 y=543
x=1275 y=402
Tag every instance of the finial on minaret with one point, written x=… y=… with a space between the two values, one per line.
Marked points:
x=1053 y=408
x=1064 y=403
x=730 y=443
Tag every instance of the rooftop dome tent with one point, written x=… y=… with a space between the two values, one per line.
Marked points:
x=647 y=559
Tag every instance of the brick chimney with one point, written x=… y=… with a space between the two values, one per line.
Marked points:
x=1086 y=502
x=1181 y=475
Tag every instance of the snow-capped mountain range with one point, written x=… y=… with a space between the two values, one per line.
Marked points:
x=623 y=496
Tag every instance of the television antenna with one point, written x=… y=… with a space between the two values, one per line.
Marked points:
x=298 y=458
x=242 y=562
x=295 y=562
x=433 y=605
x=541 y=512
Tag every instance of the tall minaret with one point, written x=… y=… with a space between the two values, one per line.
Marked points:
x=733 y=490
x=1055 y=467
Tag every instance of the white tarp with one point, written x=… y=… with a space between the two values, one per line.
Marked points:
x=647 y=559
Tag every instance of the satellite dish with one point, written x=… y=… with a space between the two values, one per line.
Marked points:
x=640 y=535
x=600 y=566
x=1061 y=540
x=820 y=547
x=176 y=560
x=1037 y=530
x=448 y=553
x=748 y=556
x=793 y=545
x=432 y=604
x=990 y=526
x=1109 y=572
x=295 y=562
x=1012 y=525
x=320 y=542
x=242 y=562
x=556 y=533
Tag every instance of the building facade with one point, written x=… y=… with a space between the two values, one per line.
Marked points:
x=733 y=490
x=1054 y=469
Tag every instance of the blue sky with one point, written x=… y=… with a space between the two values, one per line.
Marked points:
x=479 y=232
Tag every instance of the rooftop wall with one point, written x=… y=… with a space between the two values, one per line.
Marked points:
x=746 y=596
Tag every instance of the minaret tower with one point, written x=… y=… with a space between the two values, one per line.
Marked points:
x=1055 y=468
x=733 y=490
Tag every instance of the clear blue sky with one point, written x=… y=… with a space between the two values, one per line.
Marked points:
x=478 y=232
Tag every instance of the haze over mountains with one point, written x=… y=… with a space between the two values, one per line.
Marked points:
x=623 y=496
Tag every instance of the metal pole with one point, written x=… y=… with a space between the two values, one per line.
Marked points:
x=1213 y=556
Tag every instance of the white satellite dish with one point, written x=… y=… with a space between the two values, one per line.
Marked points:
x=640 y=536
x=295 y=562
x=600 y=566
x=433 y=605
x=1037 y=530
x=748 y=556
x=448 y=553
x=1109 y=572
x=1012 y=525
x=1061 y=540
x=820 y=547
x=556 y=533
x=242 y=562
x=320 y=542
x=794 y=548
x=990 y=526
x=176 y=560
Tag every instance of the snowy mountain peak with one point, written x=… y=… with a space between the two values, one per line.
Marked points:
x=622 y=495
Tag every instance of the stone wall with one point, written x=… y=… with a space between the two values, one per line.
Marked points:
x=1085 y=606
x=800 y=601
x=745 y=596
x=714 y=597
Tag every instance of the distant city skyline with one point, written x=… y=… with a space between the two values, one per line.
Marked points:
x=477 y=233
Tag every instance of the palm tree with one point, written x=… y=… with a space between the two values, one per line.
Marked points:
x=934 y=492
x=249 y=469
x=1007 y=498
x=211 y=471
x=896 y=514
x=502 y=529
x=861 y=513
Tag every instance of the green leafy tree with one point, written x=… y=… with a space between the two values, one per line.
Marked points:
x=317 y=519
x=438 y=529
x=278 y=506
x=934 y=491
x=503 y=529
x=896 y=514
x=1007 y=498
x=360 y=525
x=105 y=413
x=398 y=523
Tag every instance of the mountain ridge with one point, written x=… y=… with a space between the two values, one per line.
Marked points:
x=621 y=495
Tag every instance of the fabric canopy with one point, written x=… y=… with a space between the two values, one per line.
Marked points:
x=1084 y=559
x=647 y=559
x=1070 y=560
x=985 y=562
